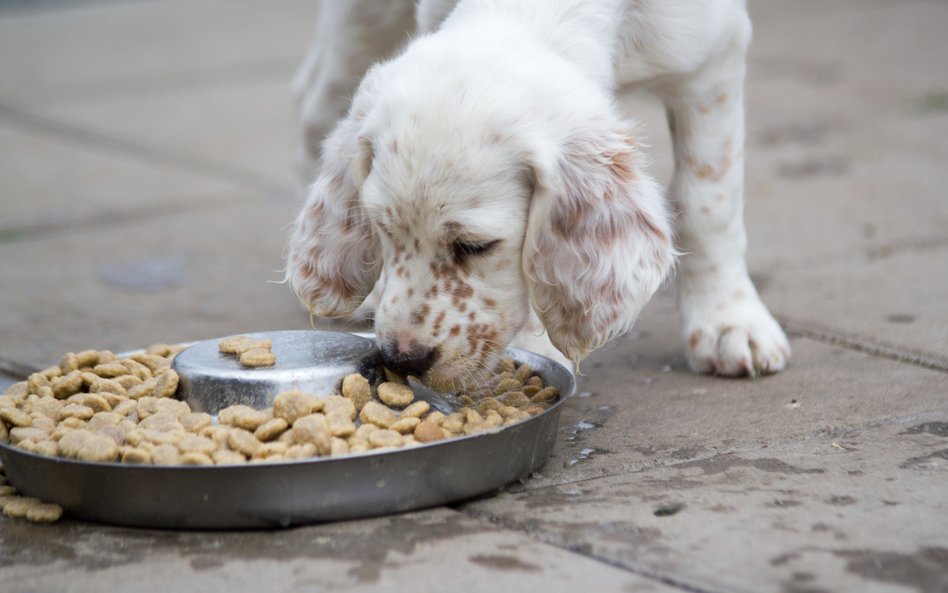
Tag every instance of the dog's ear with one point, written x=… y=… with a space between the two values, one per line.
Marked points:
x=332 y=256
x=599 y=239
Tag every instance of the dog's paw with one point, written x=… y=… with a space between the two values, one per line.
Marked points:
x=733 y=337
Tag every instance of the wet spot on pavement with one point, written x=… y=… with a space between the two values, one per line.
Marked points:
x=924 y=570
x=939 y=429
x=501 y=562
x=841 y=500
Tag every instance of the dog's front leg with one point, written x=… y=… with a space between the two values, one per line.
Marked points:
x=727 y=329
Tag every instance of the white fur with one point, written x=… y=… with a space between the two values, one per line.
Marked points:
x=498 y=123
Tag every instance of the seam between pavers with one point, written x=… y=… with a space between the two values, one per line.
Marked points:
x=192 y=163
x=219 y=76
x=109 y=218
x=871 y=346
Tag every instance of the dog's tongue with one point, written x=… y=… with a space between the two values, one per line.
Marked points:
x=443 y=402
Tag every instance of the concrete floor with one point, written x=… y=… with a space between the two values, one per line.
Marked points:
x=146 y=180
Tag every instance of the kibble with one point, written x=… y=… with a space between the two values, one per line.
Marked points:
x=243 y=417
x=395 y=395
x=94 y=406
x=250 y=352
x=385 y=438
x=292 y=405
x=271 y=429
x=377 y=414
x=427 y=432
x=356 y=388
x=258 y=357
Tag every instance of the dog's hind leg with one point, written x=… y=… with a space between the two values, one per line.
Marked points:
x=350 y=36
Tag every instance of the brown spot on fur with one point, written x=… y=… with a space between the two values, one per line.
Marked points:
x=706 y=209
x=460 y=293
x=489 y=303
x=419 y=315
x=646 y=222
x=622 y=167
x=719 y=100
x=574 y=217
x=694 y=339
x=454 y=331
x=436 y=327
x=710 y=173
x=410 y=292
x=480 y=338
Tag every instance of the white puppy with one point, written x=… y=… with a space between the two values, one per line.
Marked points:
x=484 y=187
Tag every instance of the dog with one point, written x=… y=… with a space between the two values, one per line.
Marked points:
x=483 y=189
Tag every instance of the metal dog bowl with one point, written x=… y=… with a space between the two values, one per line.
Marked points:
x=295 y=492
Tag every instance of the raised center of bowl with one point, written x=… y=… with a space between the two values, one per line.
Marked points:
x=308 y=360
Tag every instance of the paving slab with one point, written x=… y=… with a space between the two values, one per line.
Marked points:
x=638 y=406
x=864 y=510
x=7 y=380
x=177 y=276
x=245 y=127
x=894 y=45
x=432 y=550
x=103 y=48
x=52 y=181
x=777 y=12
x=893 y=298
x=806 y=164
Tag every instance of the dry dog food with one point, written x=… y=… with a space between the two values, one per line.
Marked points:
x=32 y=509
x=99 y=408
x=250 y=352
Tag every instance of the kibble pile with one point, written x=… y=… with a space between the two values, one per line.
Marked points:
x=96 y=406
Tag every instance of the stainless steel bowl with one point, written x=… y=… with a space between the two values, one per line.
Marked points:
x=311 y=361
x=298 y=492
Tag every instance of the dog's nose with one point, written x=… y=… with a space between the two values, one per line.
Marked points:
x=416 y=361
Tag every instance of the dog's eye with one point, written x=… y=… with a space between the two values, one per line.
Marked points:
x=467 y=249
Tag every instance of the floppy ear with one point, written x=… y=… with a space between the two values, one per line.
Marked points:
x=598 y=240
x=332 y=257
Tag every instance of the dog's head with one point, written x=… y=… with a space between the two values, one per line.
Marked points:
x=462 y=192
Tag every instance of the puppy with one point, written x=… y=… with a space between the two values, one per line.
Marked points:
x=484 y=189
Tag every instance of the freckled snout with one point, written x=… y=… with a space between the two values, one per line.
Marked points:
x=416 y=360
